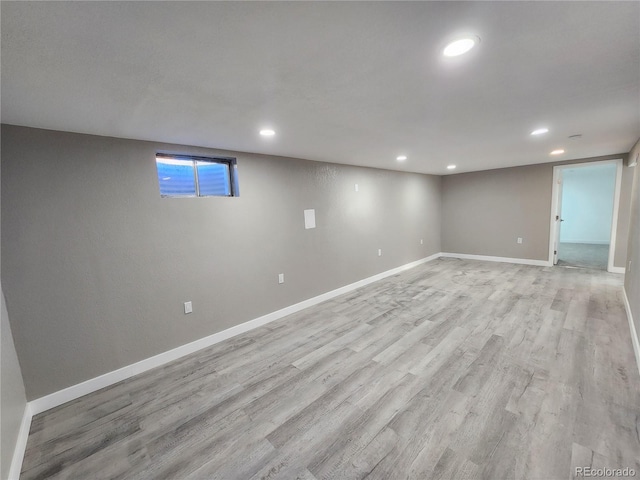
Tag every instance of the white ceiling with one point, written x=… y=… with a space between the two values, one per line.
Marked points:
x=355 y=82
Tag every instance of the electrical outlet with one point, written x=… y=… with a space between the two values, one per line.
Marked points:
x=281 y=278
x=188 y=307
x=519 y=239
x=421 y=241
x=356 y=187
x=379 y=252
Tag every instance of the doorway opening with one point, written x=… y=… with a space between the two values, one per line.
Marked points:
x=584 y=214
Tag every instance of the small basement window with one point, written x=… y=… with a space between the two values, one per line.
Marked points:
x=190 y=176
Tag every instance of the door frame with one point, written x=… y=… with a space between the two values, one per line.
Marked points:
x=554 y=225
x=557 y=197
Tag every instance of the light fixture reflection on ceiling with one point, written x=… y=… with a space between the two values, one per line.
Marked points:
x=558 y=151
x=451 y=167
x=460 y=46
x=267 y=132
x=401 y=158
x=540 y=131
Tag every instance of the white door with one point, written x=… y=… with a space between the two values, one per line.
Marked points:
x=558 y=217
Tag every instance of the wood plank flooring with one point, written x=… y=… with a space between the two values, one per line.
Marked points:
x=452 y=370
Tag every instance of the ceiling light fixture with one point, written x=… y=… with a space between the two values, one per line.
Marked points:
x=451 y=167
x=460 y=46
x=559 y=151
x=401 y=158
x=267 y=132
x=540 y=131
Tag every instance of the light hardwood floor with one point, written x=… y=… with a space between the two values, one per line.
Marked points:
x=452 y=370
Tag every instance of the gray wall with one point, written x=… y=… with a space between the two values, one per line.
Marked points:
x=483 y=213
x=632 y=278
x=97 y=265
x=12 y=395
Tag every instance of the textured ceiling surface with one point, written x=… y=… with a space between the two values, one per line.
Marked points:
x=347 y=82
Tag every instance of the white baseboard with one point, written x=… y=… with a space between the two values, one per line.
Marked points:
x=486 y=258
x=60 y=397
x=634 y=334
x=21 y=444
x=616 y=270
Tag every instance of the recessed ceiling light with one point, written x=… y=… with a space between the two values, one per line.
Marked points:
x=401 y=158
x=451 y=167
x=559 y=151
x=460 y=46
x=267 y=132
x=540 y=131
